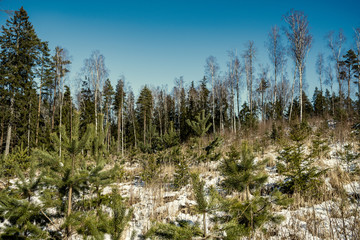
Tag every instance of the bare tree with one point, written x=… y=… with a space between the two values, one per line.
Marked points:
x=178 y=90
x=96 y=71
x=357 y=50
x=320 y=69
x=231 y=82
x=249 y=56
x=300 y=42
x=221 y=98
x=211 y=69
x=276 y=55
x=61 y=60
x=263 y=85
x=330 y=81
x=335 y=44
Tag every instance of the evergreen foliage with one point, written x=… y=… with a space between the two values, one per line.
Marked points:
x=20 y=50
x=182 y=173
x=241 y=172
x=202 y=205
x=200 y=126
x=181 y=230
x=302 y=176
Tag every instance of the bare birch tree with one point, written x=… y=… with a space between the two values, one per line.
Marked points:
x=335 y=44
x=61 y=60
x=249 y=56
x=330 y=81
x=320 y=69
x=96 y=71
x=276 y=55
x=300 y=43
x=211 y=69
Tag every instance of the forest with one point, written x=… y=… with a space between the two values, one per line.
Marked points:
x=244 y=153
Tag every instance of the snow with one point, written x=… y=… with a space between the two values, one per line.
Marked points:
x=160 y=203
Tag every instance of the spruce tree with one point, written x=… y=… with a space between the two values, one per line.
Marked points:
x=202 y=205
x=243 y=175
x=24 y=213
x=200 y=126
x=241 y=172
x=19 y=43
x=65 y=173
x=302 y=176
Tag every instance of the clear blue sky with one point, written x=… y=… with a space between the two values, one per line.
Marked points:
x=153 y=42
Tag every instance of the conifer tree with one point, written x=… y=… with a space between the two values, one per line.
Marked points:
x=180 y=230
x=202 y=204
x=200 y=126
x=65 y=172
x=242 y=174
x=121 y=215
x=119 y=109
x=302 y=176
x=25 y=217
x=45 y=74
x=144 y=110
x=19 y=43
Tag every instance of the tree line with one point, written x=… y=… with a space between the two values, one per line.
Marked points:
x=35 y=100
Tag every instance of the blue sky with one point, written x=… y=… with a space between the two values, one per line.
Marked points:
x=153 y=42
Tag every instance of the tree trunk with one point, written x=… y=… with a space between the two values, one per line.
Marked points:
x=251 y=80
x=262 y=105
x=68 y=230
x=8 y=136
x=53 y=108
x=300 y=92
x=135 y=138
x=213 y=103
x=144 y=127
x=2 y=135
x=204 y=221
x=28 y=131
x=71 y=120
x=359 y=86
x=118 y=130
x=292 y=96
x=349 y=99
x=38 y=117
x=122 y=126
x=96 y=113
x=60 y=125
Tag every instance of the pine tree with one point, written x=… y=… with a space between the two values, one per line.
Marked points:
x=144 y=113
x=121 y=215
x=119 y=109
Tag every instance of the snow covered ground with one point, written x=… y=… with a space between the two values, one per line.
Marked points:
x=160 y=203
